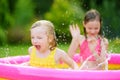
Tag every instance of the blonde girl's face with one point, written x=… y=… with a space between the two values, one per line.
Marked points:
x=92 y=28
x=39 y=39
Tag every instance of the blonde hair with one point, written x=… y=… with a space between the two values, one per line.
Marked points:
x=49 y=30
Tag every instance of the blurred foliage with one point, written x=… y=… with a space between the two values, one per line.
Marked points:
x=6 y=19
x=17 y=16
x=23 y=13
x=62 y=14
x=42 y=6
x=15 y=35
x=3 y=38
x=110 y=12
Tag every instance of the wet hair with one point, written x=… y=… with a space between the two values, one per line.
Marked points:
x=49 y=30
x=92 y=15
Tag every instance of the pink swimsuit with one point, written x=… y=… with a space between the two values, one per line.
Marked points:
x=85 y=51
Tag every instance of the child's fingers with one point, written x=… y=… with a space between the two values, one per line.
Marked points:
x=77 y=28
x=70 y=28
x=74 y=28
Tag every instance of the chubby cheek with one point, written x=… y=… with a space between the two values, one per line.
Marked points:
x=88 y=31
x=32 y=43
x=35 y=42
x=98 y=31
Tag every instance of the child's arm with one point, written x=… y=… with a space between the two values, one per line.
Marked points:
x=103 y=54
x=103 y=58
x=30 y=50
x=75 y=32
x=62 y=56
x=104 y=47
x=73 y=47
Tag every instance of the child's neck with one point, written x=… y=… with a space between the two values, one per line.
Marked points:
x=92 y=38
x=43 y=54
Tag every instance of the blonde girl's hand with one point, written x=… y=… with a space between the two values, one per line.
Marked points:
x=74 y=30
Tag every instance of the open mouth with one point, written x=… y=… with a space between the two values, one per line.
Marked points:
x=37 y=47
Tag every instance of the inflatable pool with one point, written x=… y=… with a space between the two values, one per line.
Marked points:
x=11 y=70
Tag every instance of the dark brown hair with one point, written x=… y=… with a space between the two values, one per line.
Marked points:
x=92 y=15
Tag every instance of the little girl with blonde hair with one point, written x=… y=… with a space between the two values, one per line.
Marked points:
x=44 y=52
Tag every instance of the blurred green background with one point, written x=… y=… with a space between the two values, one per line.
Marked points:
x=17 y=16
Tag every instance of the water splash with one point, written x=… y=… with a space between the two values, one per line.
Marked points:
x=100 y=60
x=6 y=52
x=6 y=58
x=84 y=64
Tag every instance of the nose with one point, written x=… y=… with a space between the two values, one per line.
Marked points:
x=34 y=41
x=92 y=31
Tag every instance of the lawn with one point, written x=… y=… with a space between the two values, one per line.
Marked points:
x=13 y=50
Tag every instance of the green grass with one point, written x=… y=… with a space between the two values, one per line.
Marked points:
x=114 y=46
x=13 y=50
x=63 y=46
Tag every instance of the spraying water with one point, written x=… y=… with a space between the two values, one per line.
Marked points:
x=105 y=62
x=100 y=60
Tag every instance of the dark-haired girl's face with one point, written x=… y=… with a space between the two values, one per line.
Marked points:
x=92 y=28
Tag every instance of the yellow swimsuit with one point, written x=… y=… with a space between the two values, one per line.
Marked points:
x=48 y=62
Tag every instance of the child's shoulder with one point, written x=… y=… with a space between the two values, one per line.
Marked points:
x=105 y=40
x=59 y=54
x=30 y=49
x=59 y=51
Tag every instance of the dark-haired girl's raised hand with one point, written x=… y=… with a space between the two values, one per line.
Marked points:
x=74 y=30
